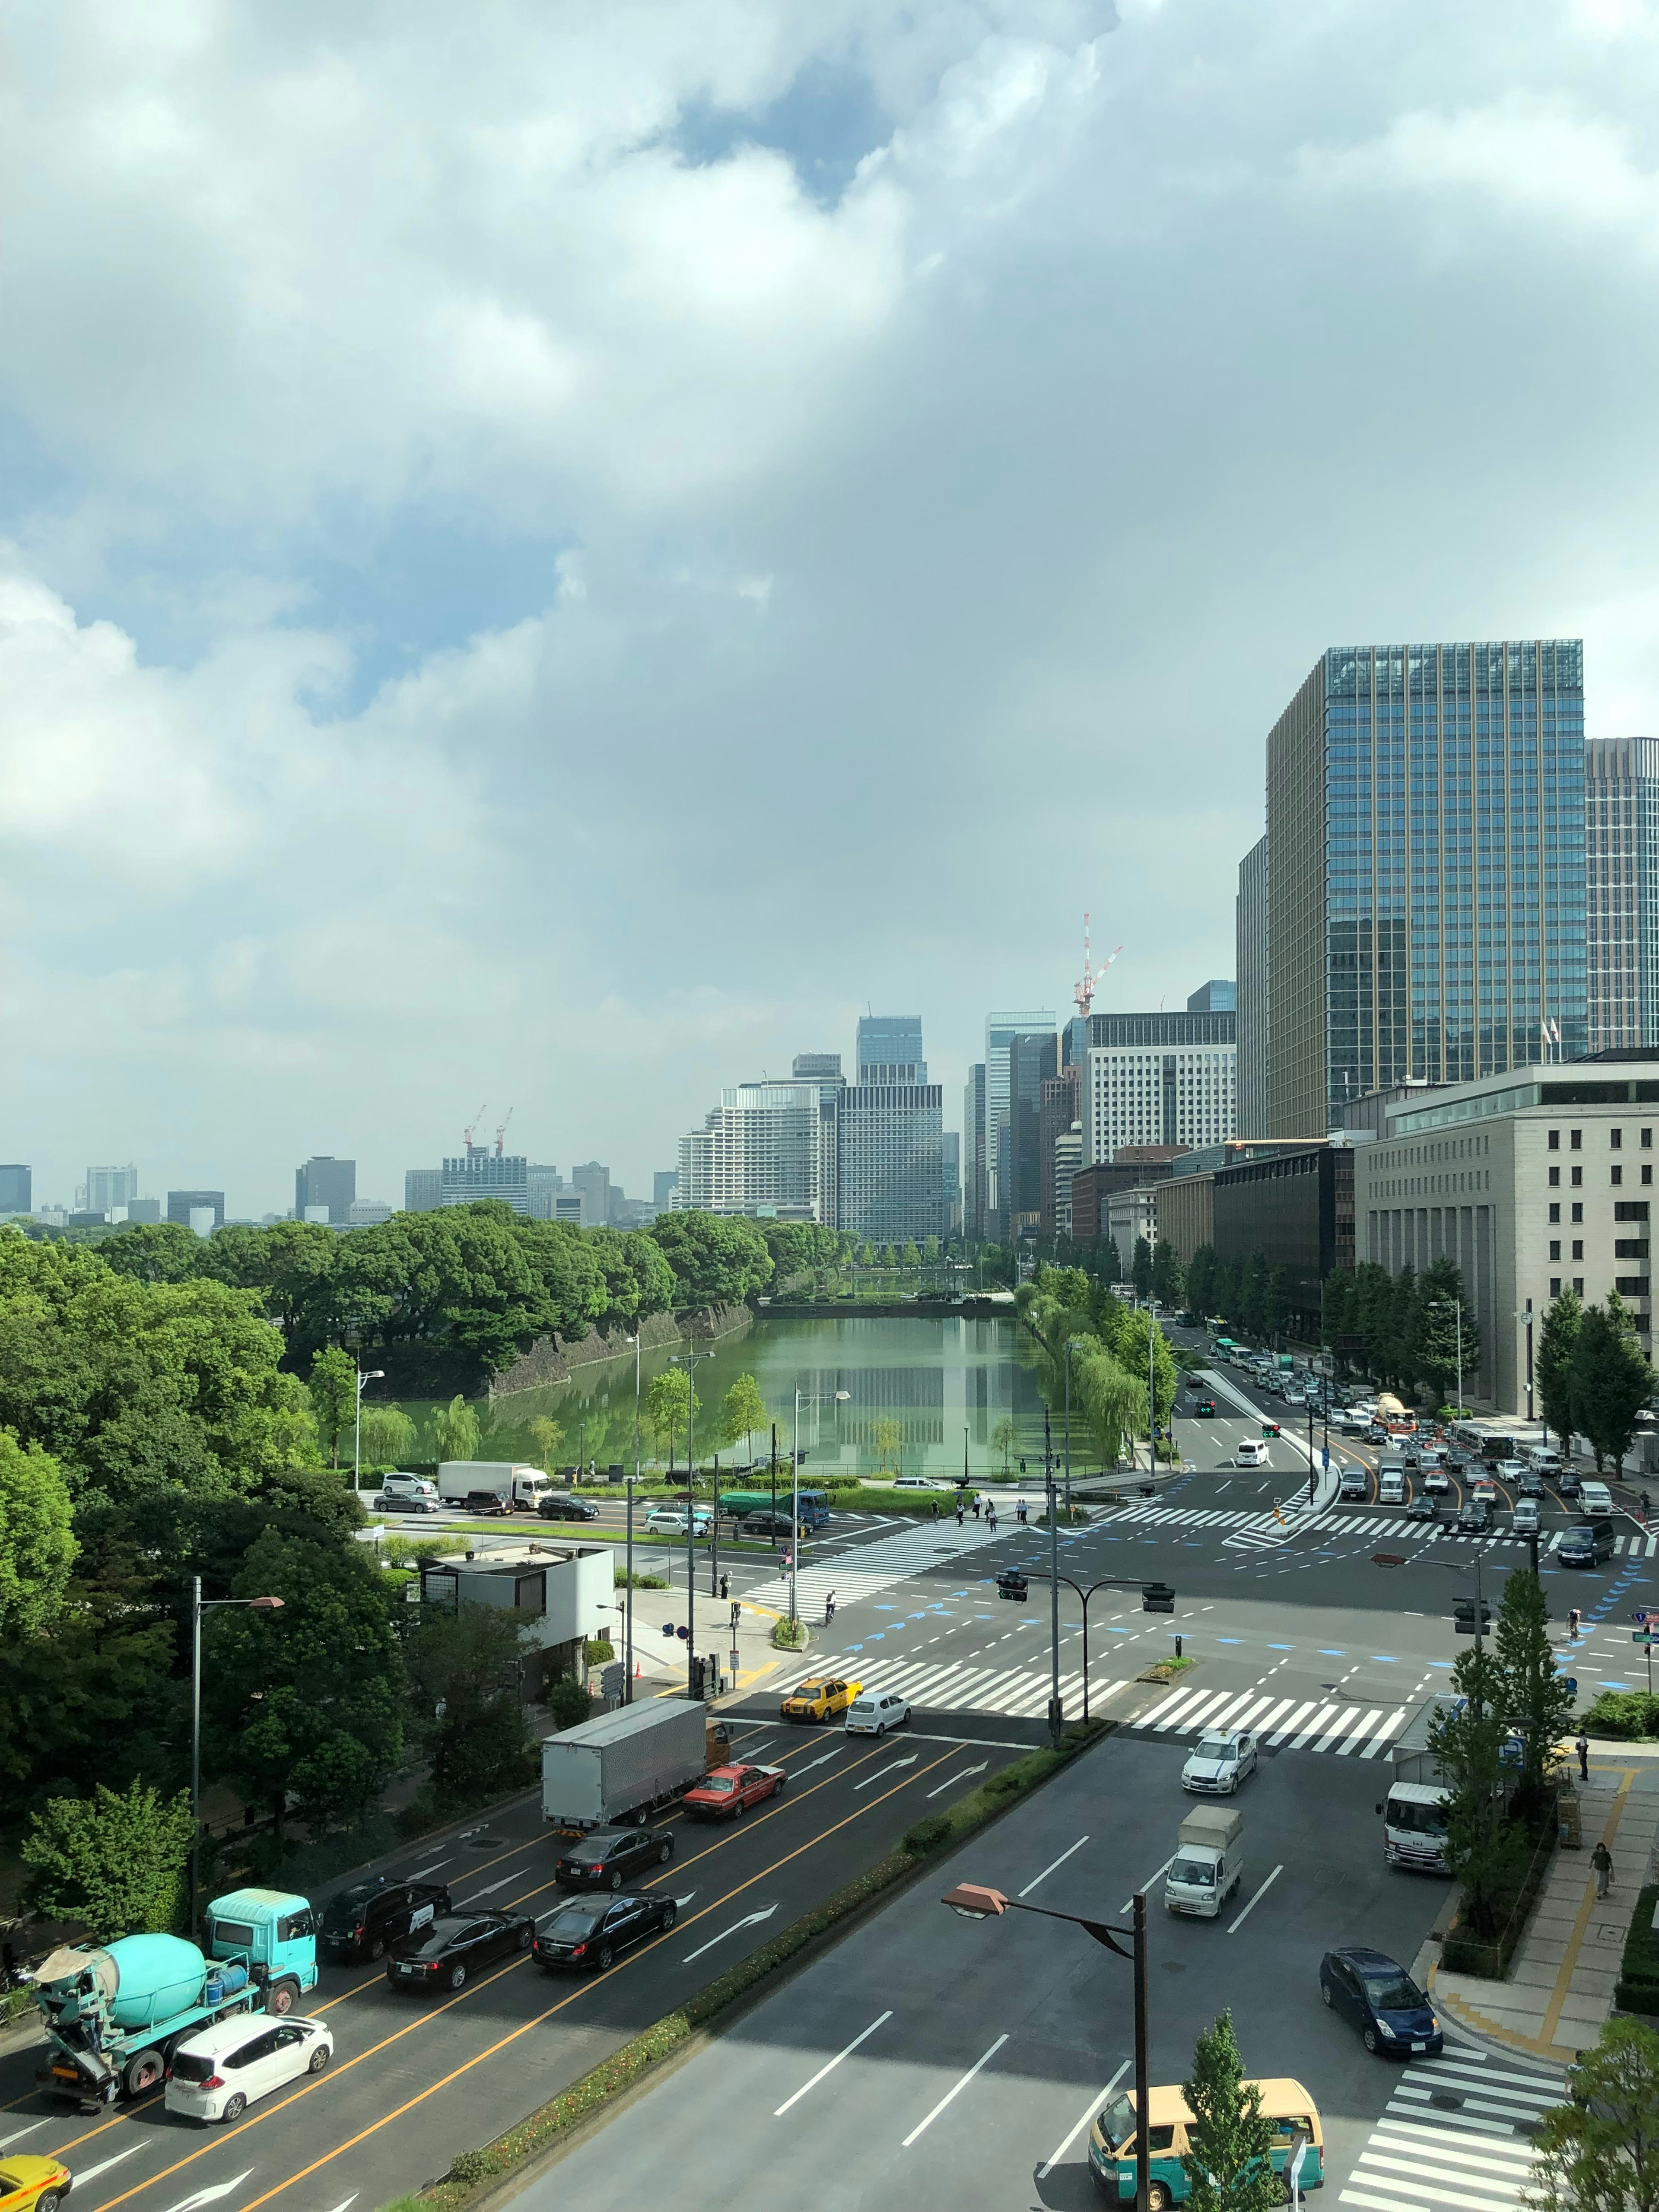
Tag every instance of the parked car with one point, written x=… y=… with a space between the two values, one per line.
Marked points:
x=606 y=1858
x=820 y=1698
x=1217 y=1764
x=560 y=1507
x=874 y=1711
x=1381 y=2001
x=592 y=1932
x=218 y=2073
x=1587 y=1544
x=365 y=1920
x=396 y=1501
x=456 y=1947
x=727 y=1793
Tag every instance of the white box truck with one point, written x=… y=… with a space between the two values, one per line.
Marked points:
x=1208 y=1865
x=522 y=1487
x=1414 y=1811
x=622 y=1764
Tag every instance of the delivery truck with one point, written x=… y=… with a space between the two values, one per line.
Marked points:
x=523 y=1488
x=1414 y=1811
x=1208 y=1865
x=114 y=2011
x=623 y=1764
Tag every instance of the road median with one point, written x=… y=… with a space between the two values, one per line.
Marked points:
x=476 y=2178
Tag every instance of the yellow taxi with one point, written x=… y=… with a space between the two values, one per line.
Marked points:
x=819 y=1699
x=33 y=2185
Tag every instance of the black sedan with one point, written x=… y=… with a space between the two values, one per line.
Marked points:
x=568 y=1509
x=591 y=1933
x=608 y=1858
x=1383 y=2001
x=1421 y=1509
x=458 y=1946
x=1475 y=1518
x=365 y=1921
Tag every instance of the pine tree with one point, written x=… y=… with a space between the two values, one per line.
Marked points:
x=1557 y=1341
x=1140 y=1268
x=1611 y=1381
x=1483 y=1851
x=1227 y=2165
x=1536 y=1698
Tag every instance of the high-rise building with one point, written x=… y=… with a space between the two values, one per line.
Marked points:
x=181 y=1204
x=105 y=1188
x=1250 y=922
x=890 y=1147
x=1061 y=1108
x=1001 y=1030
x=1217 y=996
x=664 y=1183
x=479 y=1173
x=16 y=1189
x=138 y=1209
x=543 y=1183
x=423 y=1189
x=975 y=1177
x=951 y=1153
x=824 y=1069
x=325 y=1181
x=1067 y=1160
x=1168 y=1079
x=758 y=1152
x=592 y=1183
x=1621 y=891
x=890 y=1050
x=1425 y=865
x=1033 y=1056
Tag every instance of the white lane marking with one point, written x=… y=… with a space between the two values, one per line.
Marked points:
x=421 y=1872
x=92 y=2172
x=1255 y=1900
x=1089 y=2112
x=829 y=2065
x=962 y=1777
x=210 y=2196
x=752 y=1920
x=1128 y=1902
x=345 y=2203
x=18 y=2134
x=951 y=2095
x=491 y=1891
x=1048 y=1871
x=886 y=1771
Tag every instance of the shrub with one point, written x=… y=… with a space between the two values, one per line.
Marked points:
x=419 y=1815
x=640 y=1582
x=600 y=1651
x=468 y=2166
x=927 y=1835
x=1625 y=1715
x=1637 y=1987
x=789 y=1635
x=568 y=1703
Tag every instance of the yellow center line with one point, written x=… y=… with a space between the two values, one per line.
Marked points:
x=434 y=2012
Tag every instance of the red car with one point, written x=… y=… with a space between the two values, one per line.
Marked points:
x=727 y=1792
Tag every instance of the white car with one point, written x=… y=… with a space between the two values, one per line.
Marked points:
x=1435 y=1481
x=217 y=2074
x=669 y=1520
x=872 y=1712
x=920 y=1482
x=1511 y=1470
x=408 y=1485
x=1217 y=1764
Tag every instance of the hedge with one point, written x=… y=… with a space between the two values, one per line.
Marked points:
x=1637 y=1987
x=472 y=2170
x=1625 y=1715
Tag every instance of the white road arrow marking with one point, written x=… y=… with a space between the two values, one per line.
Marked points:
x=686 y=1899
x=886 y=1771
x=422 y=1874
x=92 y=2172
x=753 y=1921
x=822 y=1761
x=18 y=2134
x=345 y=2202
x=210 y=2196
x=493 y=1887
x=962 y=1777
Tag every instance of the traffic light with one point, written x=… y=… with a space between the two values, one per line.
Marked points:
x=1156 y=1597
x=1463 y=1616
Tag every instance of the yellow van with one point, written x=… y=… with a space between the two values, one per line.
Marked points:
x=1112 y=2141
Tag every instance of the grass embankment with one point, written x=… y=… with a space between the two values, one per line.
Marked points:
x=473 y=2172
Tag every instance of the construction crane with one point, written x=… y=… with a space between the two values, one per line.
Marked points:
x=467 y=1132
x=500 y=1132
x=1083 y=993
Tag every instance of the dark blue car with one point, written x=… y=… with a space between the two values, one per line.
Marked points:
x=1381 y=2000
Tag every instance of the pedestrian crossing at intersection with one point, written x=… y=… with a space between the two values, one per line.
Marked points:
x=1267 y=1531
x=1454 y=2134
x=1277 y=1723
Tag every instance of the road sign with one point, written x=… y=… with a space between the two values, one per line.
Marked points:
x=1641 y=1635
x=1641 y=1618
x=1570 y=1684
x=1325 y=1456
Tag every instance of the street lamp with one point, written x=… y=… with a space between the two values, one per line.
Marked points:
x=807 y=1398
x=628 y=1587
x=198 y=1605
x=1525 y=1314
x=974 y=1902
x=689 y=1361
x=374 y=1375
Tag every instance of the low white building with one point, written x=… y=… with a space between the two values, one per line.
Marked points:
x=569 y=1590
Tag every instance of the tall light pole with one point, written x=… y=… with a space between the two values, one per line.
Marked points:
x=1056 y=1716
x=802 y=1398
x=373 y=1374
x=1525 y=1314
x=628 y=1587
x=198 y=1605
x=689 y=1360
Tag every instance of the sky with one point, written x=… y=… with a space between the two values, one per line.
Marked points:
x=553 y=554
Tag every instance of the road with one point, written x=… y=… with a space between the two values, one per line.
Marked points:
x=975 y=2052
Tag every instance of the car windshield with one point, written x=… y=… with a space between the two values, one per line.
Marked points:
x=1417 y=1819
x=1214 y=1746
x=1393 y=1992
x=577 y=1920
x=717 y=1785
x=1117 y=2121
x=1198 y=1873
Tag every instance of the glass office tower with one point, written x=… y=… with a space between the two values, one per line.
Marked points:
x=1425 y=867
x=1621 y=871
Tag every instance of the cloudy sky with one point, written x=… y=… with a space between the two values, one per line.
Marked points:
x=550 y=553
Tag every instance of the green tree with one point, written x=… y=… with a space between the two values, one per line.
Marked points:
x=154 y=1252
x=743 y=1411
x=866 y=1256
x=291 y=1265
x=468 y=1662
x=717 y=1259
x=1558 y=1340
x=666 y=1397
x=1227 y=2163
x=1600 y=2152
x=455 y=1430
x=114 y=1861
x=1169 y=1279
x=333 y=1389
x=1536 y=1700
x=888 y=1437
x=1483 y=1851
x=930 y=1250
x=388 y=1434
x=1612 y=1381
x=910 y=1256
x=38 y=1548
x=1443 y=1353
x=1140 y=1268
x=1003 y=1437
x=550 y=1438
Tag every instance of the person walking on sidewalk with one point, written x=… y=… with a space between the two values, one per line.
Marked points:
x=725 y=1586
x=1022 y=1514
x=1602 y=1860
x=1582 y=1748
x=959 y=1513
x=991 y=1518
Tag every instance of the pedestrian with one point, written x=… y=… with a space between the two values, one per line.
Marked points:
x=934 y=1510
x=1572 y=1624
x=1021 y=1513
x=725 y=1586
x=829 y=1608
x=1647 y=1506
x=959 y=1513
x=788 y=1558
x=1602 y=1860
x=1582 y=1748
x=977 y=1509
x=991 y=1519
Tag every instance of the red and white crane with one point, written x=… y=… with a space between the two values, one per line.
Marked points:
x=467 y=1133
x=1083 y=993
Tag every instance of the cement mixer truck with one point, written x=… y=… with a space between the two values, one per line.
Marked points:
x=114 y=2012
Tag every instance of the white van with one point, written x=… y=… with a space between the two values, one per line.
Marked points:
x=1252 y=1452
x=1595 y=1497
x=1391 y=1486
x=1525 y=1521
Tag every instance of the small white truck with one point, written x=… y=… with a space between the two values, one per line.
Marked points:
x=1208 y=1865
x=1414 y=1811
x=522 y=1487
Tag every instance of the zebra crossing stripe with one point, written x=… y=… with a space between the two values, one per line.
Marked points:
x=1380 y=1741
x=1465 y=2153
x=1289 y=1727
x=1358 y=1736
x=1314 y=1728
x=1185 y=1702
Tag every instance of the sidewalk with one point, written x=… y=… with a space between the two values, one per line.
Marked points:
x=659 y=1660
x=1558 y=1994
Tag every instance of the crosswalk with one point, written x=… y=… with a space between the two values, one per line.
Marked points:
x=1267 y=1530
x=1287 y=1723
x=875 y=1567
x=1016 y=1692
x=1454 y=2134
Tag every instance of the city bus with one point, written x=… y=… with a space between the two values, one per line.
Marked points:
x=814 y=1510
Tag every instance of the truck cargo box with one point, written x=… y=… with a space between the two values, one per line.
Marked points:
x=622 y=1763
x=1219 y=1826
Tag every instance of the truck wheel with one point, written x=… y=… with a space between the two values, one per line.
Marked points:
x=1158 y=2198
x=144 y=2072
x=284 y=1995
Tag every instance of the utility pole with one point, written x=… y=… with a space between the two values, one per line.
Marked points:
x=1056 y=1721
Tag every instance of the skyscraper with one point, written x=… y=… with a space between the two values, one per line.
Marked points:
x=974 y=1164
x=758 y=1152
x=890 y=1150
x=1033 y=1056
x=1250 y=924
x=592 y=1182
x=423 y=1189
x=1164 y=1079
x=181 y=1204
x=1001 y=1030
x=324 y=1180
x=479 y=1173
x=105 y=1188
x=663 y=1183
x=17 y=1187
x=1425 y=865
x=1621 y=891
x=1219 y=996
